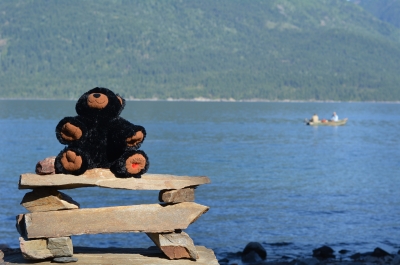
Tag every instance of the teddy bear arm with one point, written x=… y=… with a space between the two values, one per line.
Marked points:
x=70 y=129
x=136 y=137
x=125 y=134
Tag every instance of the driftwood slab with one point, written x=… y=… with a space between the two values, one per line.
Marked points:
x=132 y=256
x=104 y=178
x=150 y=218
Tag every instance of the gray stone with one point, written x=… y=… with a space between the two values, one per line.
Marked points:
x=151 y=218
x=396 y=260
x=46 y=248
x=175 y=196
x=131 y=256
x=307 y=261
x=323 y=252
x=175 y=245
x=254 y=252
x=65 y=259
x=34 y=249
x=99 y=177
x=60 y=247
x=46 y=166
x=48 y=199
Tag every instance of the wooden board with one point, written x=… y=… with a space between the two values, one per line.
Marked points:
x=151 y=218
x=106 y=256
x=104 y=178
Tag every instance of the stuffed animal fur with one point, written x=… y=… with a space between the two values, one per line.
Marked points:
x=99 y=138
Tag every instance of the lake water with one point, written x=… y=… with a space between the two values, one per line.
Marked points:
x=275 y=180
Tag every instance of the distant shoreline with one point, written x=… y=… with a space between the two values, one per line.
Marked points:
x=218 y=100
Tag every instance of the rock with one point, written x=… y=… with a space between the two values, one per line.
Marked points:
x=46 y=248
x=343 y=251
x=370 y=259
x=307 y=261
x=47 y=199
x=65 y=259
x=175 y=245
x=115 y=255
x=4 y=246
x=34 y=249
x=378 y=252
x=396 y=260
x=60 y=247
x=106 y=179
x=175 y=196
x=356 y=256
x=254 y=252
x=223 y=261
x=323 y=252
x=46 y=166
x=151 y=218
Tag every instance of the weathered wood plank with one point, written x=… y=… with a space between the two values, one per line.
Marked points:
x=132 y=256
x=175 y=196
x=104 y=178
x=151 y=218
x=175 y=245
x=48 y=199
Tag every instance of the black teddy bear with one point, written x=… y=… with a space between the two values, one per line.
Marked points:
x=99 y=138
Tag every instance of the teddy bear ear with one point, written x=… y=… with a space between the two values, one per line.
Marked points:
x=121 y=100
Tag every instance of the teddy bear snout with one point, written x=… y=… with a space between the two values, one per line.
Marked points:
x=97 y=101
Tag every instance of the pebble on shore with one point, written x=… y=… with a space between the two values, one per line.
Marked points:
x=255 y=254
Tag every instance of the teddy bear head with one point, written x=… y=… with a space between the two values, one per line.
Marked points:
x=100 y=103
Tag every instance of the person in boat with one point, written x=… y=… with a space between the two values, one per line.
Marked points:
x=334 y=117
x=314 y=118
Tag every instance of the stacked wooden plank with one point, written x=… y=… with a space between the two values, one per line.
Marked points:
x=54 y=216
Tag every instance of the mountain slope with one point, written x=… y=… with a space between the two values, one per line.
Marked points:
x=385 y=10
x=278 y=49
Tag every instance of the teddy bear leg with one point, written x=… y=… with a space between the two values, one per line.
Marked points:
x=132 y=163
x=71 y=161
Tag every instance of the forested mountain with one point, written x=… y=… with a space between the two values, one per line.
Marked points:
x=275 y=49
x=385 y=10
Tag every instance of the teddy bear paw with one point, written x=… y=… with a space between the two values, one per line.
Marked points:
x=70 y=132
x=70 y=161
x=132 y=163
x=135 y=140
x=135 y=163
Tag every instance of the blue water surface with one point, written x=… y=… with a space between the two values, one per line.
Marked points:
x=274 y=180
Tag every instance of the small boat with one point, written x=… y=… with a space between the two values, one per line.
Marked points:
x=326 y=122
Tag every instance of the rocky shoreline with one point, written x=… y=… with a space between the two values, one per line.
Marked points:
x=255 y=254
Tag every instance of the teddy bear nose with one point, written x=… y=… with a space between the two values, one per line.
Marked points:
x=96 y=95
